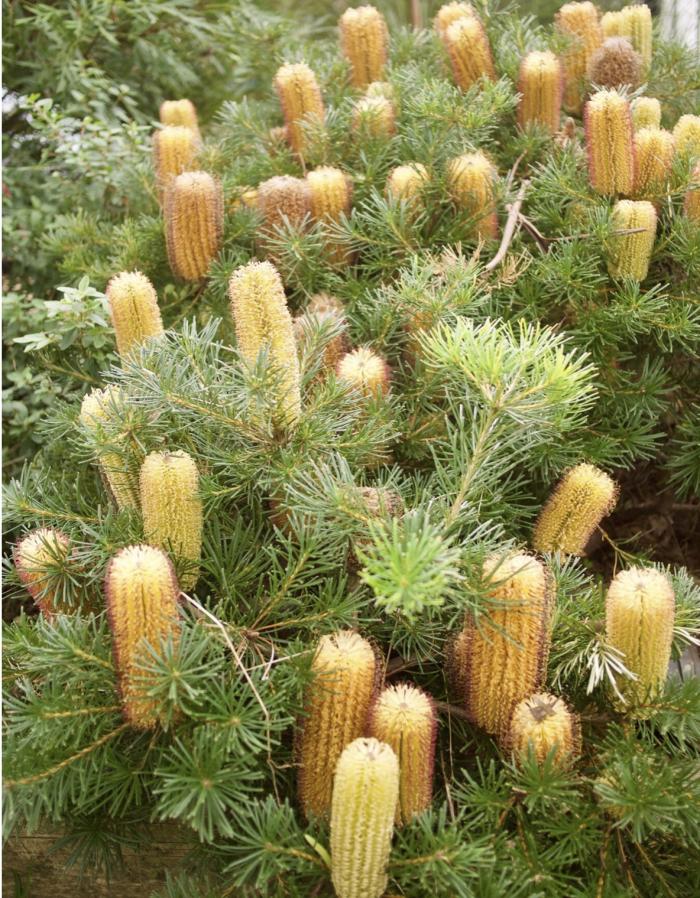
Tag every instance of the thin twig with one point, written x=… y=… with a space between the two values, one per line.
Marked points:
x=510 y=228
x=448 y=708
x=416 y=15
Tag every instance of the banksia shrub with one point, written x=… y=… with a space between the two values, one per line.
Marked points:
x=646 y=113
x=633 y=23
x=323 y=308
x=540 y=86
x=639 y=618
x=172 y=508
x=330 y=192
x=365 y=795
x=406 y=181
x=193 y=223
x=470 y=182
x=687 y=136
x=653 y=159
x=580 y=501
x=263 y=322
x=579 y=23
x=364 y=41
x=449 y=13
x=374 y=117
x=404 y=718
x=503 y=659
x=609 y=143
x=301 y=102
x=336 y=705
x=630 y=252
x=133 y=307
x=615 y=64
x=181 y=113
x=174 y=151
x=101 y=409
x=364 y=371
x=470 y=52
x=38 y=558
x=543 y=724
x=142 y=606
x=691 y=204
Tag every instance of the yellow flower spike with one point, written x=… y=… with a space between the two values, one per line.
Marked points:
x=362 y=820
x=374 y=117
x=579 y=23
x=543 y=723
x=540 y=86
x=323 y=307
x=142 y=607
x=172 y=508
x=301 y=102
x=381 y=89
x=646 y=113
x=634 y=23
x=450 y=13
x=580 y=501
x=687 y=136
x=100 y=408
x=615 y=64
x=502 y=659
x=631 y=252
x=283 y=198
x=404 y=718
x=193 y=223
x=691 y=204
x=653 y=157
x=336 y=705
x=330 y=192
x=639 y=618
x=175 y=148
x=133 y=307
x=37 y=556
x=405 y=182
x=608 y=127
x=470 y=181
x=470 y=52
x=364 y=371
x=364 y=41
x=181 y=113
x=262 y=321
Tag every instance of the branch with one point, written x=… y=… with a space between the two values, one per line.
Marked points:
x=509 y=230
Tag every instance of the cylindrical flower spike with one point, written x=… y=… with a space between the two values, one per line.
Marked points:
x=540 y=86
x=323 y=308
x=336 y=703
x=101 y=408
x=133 y=307
x=450 y=13
x=615 y=64
x=609 y=143
x=646 y=113
x=404 y=717
x=405 y=182
x=687 y=136
x=194 y=210
x=172 y=509
x=301 y=101
x=374 y=117
x=365 y=371
x=331 y=197
x=691 y=204
x=281 y=200
x=653 y=157
x=543 y=724
x=364 y=41
x=174 y=150
x=579 y=22
x=634 y=23
x=362 y=820
x=470 y=52
x=502 y=658
x=181 y=113
x=639 y=618
x=580 y=501
x=262 y=321
x=142 y=606
x=630 y=252
x=470 y=181
x=381 y=89
x=373 y=503
x=39 y=557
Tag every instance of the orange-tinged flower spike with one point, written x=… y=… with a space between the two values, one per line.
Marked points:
x=336 y=705
x=470 y=181
x=280 y=200
x=100 y=408
x=323 y=308
x=172 y=508
x=639 y=618
x=578 y=22
x=262 y=321
x=540 y=85
x=653 y=159
x=133 y=307
x=687 y=136
x=364 y=41
x=330 y=192
x=631 y=252
x=609 y=143
x=194 y=209
x=142 y=606
x=175 y=148
x=181 y=113
x=404 y=718
x=543 y=724
x=691 y=204
x=580 y=501
x=301 y=101
x=634 y=23
x=615 y=64
x=450 y=13
x=374 y=116
x=405 y=182
x=503 y=659
x=646 y=113
x=362 y=820
x=39 y=557
x=364 y=371
x=470 y=52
